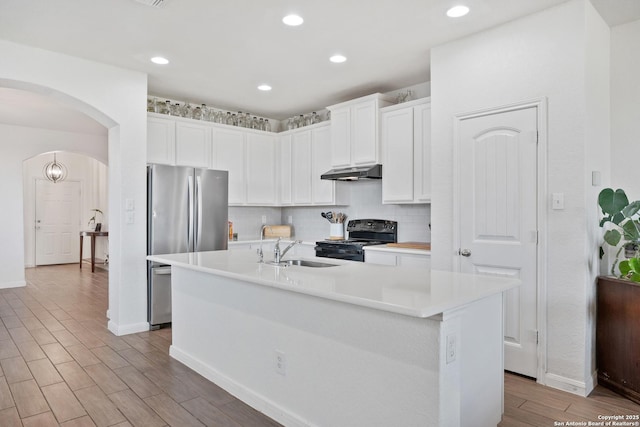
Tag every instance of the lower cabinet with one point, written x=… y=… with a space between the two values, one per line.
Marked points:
x=398 y=259
x=618 y=336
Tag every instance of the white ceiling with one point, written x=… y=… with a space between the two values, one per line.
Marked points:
x=221 y=50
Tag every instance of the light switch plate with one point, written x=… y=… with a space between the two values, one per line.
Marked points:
x=557 y=201
x=129 y=205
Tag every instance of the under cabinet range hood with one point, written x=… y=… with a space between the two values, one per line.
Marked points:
x=354 y=173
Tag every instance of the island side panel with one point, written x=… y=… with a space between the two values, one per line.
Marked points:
x=344 y=364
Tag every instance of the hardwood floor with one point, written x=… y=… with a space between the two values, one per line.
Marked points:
x=59 y=365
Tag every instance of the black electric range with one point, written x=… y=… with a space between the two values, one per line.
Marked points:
x=362 y=232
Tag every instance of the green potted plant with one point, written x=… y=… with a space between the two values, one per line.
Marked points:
x=621 y=221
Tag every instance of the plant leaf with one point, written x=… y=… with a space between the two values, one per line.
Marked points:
x=631 y=209
x=612 y=237
x=617 y=218
x=601 y=252
x=631 y=230
x=635 y=277
x=611 y=201
x=624 y=267
x=634 y=263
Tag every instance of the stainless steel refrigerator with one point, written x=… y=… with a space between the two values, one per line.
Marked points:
x=187 y=211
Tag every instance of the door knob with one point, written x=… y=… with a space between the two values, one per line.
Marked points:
x=465 y=252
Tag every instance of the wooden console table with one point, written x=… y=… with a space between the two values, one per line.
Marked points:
x=93 y=235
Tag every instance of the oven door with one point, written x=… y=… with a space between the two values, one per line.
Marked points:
x=348 y=252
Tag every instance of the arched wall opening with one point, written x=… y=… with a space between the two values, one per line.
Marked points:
x=116 y=98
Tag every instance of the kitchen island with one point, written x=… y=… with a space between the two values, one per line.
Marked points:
x=348 y=345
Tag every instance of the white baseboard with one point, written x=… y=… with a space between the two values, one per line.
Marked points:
x=16 y=284
x=248 y=396
x=580 y=388
x=132 y=328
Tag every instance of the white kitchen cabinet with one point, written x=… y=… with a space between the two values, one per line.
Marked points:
x=284 y=170
x=323 y=191
x=404 y=259
x=261 y=169
x=406 y=152
x=301 y=167
x=229 y=154
x=193 y=144
x=161 y=141
x=354 y=131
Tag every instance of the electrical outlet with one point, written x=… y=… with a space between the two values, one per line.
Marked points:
x=281 y=363
x=264 y=219
x=451 y=348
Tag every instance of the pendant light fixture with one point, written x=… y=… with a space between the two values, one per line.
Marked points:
x=55 y=171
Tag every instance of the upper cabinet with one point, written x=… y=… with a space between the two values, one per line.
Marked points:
x=406 y=152
x=354 y=131
x=261 y=169
x=229 y=151
x=161 y=140
x=305 y=154
x=193 y=145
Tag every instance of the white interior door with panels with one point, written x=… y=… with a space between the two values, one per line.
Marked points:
x=57 y=222
x=497 y=218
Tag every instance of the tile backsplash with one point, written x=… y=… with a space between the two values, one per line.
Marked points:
x=364 y=202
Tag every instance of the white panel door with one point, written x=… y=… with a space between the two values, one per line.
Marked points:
x=161 y=141
x=422 y=153
x=284 y=166
x=498 y=222
x=57 y=222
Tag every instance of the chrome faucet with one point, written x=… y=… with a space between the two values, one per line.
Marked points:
x=277 y=254
x=260 y=254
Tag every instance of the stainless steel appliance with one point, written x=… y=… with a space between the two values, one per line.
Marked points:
x=362 y=232
x=187 y=211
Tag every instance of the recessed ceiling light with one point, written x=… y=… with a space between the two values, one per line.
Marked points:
x=293 y=20
x=159 y=60
x=338 y=59
x=457 y=11
x=264 y=87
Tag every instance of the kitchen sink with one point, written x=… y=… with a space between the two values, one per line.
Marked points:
x=302 y=263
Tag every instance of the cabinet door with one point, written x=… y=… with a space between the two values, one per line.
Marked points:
x=261 y=169
x=422 y=261
x=422 y=153
x=161 y=141
x=301 y=167
x=380 y=258
x=364 y=133
x=340 y=137
x=398 y=156
x=229 y=155
x=284 y=168
x=193 y=145
x=323 y=190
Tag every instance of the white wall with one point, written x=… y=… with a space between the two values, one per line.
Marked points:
x=90 y=173
x=625 y=108
x=115 y=98
x=542 y=55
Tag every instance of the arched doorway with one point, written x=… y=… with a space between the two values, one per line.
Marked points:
x=115 y=98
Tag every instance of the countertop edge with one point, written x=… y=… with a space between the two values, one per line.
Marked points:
x=393 y=308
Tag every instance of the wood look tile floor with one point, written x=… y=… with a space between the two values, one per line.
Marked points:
x=60 y=366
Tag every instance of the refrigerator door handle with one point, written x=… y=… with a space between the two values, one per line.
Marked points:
x=198 y=233
x=190 y=203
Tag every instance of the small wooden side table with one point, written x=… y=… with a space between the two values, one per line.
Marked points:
x=93 y=235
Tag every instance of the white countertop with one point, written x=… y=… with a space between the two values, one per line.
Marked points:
x=412 y=292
